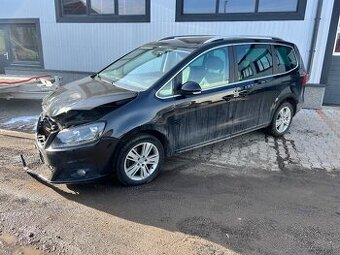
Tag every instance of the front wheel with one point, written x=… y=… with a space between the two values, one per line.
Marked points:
x=139 y=160
x=281 y=120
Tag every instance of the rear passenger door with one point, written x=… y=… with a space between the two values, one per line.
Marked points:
x=257 y=87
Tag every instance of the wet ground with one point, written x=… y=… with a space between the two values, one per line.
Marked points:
x=194 y=207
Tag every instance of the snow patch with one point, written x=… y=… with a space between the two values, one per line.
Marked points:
x=22 y=119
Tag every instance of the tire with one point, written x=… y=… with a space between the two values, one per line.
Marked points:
x=285 y=113
x=134 y=167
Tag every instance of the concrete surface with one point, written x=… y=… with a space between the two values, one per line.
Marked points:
x=18 y=134
x=248 y=195
x=312 y=143
x=314 y=94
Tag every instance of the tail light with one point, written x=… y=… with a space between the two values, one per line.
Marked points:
x=304 y=79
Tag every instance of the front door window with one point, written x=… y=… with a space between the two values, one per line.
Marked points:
x=211 y=70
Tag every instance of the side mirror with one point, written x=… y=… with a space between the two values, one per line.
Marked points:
x=190 y=88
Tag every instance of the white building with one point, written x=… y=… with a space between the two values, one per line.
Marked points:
x=86 y=35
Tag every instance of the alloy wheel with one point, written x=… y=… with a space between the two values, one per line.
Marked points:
x=141 y=161
x=283 y=119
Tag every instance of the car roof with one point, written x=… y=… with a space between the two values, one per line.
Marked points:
x=197 y=41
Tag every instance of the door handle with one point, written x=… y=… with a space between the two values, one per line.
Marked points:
x=228 y=97
x=240 y=92
x=243 y=93
x=235 y=94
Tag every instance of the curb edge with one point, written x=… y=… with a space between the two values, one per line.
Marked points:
x=17 y=134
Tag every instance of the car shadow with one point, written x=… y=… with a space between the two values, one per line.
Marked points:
x=184 y=198
x=240 y=212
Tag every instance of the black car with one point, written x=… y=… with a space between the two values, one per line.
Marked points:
x=167 y=97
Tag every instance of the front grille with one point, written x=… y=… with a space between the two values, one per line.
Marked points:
x=46 y=126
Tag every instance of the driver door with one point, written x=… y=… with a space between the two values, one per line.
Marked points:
x=199 y=119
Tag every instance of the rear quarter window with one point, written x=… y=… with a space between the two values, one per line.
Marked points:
x=253 y=61
x=285 y=58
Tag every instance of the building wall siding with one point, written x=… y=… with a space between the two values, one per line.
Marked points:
x=90 y=46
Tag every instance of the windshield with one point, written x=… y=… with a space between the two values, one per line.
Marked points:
x=141 y=68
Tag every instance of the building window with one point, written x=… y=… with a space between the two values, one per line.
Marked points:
x=24 y=41
x=337 y=45
x=239 y=10
x=102 y=10
x=20 y=42
x=336 y=51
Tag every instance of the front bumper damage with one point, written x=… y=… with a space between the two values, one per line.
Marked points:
x=74 y=165
x=63 y=173
x=39 y=171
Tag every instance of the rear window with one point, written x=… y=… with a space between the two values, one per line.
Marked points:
x=285 y=58
x=254 y=61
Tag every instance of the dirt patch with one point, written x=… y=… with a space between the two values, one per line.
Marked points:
x=9 y=245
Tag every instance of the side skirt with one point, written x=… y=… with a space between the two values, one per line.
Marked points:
x=196 y=146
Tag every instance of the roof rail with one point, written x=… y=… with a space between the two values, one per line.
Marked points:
x=180 y=36
x=260 y=37
x=167 y=38
x=214 y=39
x=220 y=38
x=277 y=38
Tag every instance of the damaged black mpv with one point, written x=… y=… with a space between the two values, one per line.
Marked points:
x=166 y=97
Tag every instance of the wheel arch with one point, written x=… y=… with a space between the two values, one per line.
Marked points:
x=290 y=99
x=150 y=131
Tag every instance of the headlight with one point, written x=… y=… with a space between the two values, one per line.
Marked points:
x=78 y=135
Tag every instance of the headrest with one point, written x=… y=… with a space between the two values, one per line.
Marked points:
x=214 y=63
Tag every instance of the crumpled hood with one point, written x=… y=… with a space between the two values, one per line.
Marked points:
x=84 y=94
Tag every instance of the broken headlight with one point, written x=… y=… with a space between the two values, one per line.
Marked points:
x=78 y=135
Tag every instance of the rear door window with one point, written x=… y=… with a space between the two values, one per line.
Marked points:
x=285 y=58
x=253 y=61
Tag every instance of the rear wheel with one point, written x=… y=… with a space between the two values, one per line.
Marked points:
x=281 y=120
x=139 y=160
